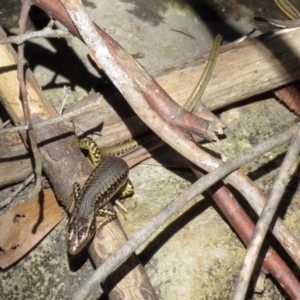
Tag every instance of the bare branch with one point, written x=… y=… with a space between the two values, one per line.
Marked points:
x=44 y=33
x=265 y=219
x=21 y=186
x=65 y=95
x=5 y=124
x=244 y=227
x=61 y=118
x=26 y=4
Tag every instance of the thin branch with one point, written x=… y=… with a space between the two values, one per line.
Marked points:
x=173 y=207
x=240 y=222
x=245 y=227
x=66 y=94
x=265 y=219
x=17 y=190
x=44 y=33
x=26 y=4
x=5 y=123
x=61 y=118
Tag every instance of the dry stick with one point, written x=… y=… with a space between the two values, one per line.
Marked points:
x=31 y=134
x=238 y=219
x=65 y=97
x=277 y=191
x=5 y=123
x=168 y=211
x=244 y=226
x=17 y=190
x=44 y=33
x=138 y=101
x=256 y=199
x=265 y=219
x=61 y=118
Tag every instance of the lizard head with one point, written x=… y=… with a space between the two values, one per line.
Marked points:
x=79 y=233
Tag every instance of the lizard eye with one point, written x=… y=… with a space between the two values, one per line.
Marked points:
x=82 y=233
x=70 y=232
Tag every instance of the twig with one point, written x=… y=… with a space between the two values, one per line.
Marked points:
x=65 y=96
x=5 y=123
x=21 y=186
x=44 y=33
x=265 y=219
x=61 y=118
x=240 y=222
x=150 y=227
x=244 y=227
x=183 y=31
x=26 y=4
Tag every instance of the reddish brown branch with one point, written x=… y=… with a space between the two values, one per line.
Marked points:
x=244 y=227
x=290 y=95
x=27 y=117
x=154 y=94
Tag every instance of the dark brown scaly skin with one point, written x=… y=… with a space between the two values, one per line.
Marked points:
x=110 y=177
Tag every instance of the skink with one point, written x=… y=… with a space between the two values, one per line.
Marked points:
x=109 y=178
